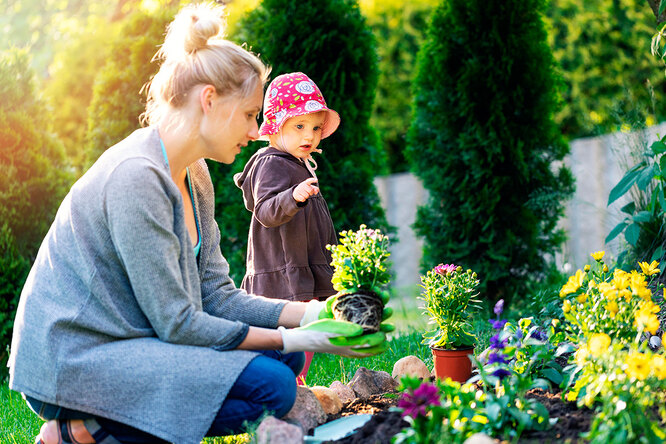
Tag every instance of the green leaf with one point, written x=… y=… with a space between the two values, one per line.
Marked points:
x=552 y=375
x=646 y=177
x=632 y=233
x=658 y=253
x=662 y=6
x=615 y=231
x=629 y=208
x=662 y=163
x=658 y=147
x=493 y=410
x=625 y=183
x=642 y=216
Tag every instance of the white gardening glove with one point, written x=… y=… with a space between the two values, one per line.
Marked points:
x=312 y=311
x=331 y=336
x=316 y=310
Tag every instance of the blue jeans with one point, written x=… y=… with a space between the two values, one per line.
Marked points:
x=268 y=384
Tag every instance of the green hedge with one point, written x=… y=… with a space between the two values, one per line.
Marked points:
x=484 y=143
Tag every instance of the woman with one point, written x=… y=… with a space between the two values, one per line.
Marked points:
x=129 y=328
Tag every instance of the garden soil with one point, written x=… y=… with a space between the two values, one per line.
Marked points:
x=571 y=421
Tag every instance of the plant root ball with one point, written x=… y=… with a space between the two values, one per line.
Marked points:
x=362 y=307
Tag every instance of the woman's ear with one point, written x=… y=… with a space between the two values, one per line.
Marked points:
x=206 y=96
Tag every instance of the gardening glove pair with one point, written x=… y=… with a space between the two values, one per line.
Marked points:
x=331 y=336
x=316 y=310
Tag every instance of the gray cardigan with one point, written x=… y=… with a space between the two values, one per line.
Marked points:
x=116 y=318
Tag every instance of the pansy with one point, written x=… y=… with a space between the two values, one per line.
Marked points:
x=501 y=373
x=496 y=342
x=496 y=358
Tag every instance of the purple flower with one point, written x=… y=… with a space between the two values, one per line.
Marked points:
x=501 y=373
x=497 y=343
x=519 y=334
x=497 y=324
x=415 y=404
x=496 y=358
x=539 y=335
x=499 y=307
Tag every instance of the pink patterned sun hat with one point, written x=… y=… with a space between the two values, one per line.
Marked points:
x=290 y=95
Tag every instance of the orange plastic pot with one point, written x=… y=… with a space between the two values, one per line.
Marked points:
x=454 y=364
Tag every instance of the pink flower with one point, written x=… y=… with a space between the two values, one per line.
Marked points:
x=415 y=404
x=445 y=269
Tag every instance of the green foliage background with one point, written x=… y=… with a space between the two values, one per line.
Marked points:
x=34 y=181
x=484 y=144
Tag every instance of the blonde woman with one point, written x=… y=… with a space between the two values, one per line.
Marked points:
x=129 y=328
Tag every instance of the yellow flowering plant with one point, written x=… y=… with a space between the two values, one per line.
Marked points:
x=617 y=303
x=626 y=386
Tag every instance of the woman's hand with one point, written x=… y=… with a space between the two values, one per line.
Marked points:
x=305 y=189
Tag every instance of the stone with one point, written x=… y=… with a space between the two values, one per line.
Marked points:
x=655 y=342
x=410 y=366
x=307 y=412
x=366 y=383
x=479 y=438
x=329 y=400
x=273 y=431
x=344 y=392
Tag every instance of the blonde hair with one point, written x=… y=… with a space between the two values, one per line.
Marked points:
x=195 y=52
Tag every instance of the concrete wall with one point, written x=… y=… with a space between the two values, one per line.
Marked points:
x=598 y=164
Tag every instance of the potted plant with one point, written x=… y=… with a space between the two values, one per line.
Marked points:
x=450 y=295
x=360 y=276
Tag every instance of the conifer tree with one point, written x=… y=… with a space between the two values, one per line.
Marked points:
x=483 y=142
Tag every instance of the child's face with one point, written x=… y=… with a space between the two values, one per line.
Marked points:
x=300 y=135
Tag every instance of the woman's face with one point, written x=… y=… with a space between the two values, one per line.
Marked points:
x=230 y=125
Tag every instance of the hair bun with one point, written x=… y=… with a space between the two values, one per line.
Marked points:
x=192 y=28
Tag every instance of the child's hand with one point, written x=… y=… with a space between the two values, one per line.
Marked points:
x=305 y=189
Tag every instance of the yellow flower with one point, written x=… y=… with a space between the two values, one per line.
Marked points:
x=581 y=298
x=581 y=356
x=644 y=320
x=637 y=279
x=605 y=268
x=571 y=396
x=638 y=365
x=598 y=344
x=592 y=284
x=612 y=308
x=649 y=269
x=566 y=306
x=586 y=268
x=605 y=287
x=598 y=255
x=573 y=283
x=644 y=293
x=658 y=365
x=626 y=294
x=621 y=279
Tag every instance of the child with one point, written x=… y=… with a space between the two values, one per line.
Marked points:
x=291 y=225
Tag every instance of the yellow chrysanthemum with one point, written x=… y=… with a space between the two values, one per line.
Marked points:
x=598 y=344
x=649 y=307
x=638 y=365
x=581 y=298
x=643 y=293
x=649 y=269
x=581 y=356
x=566 y=306
x=612 y=308
x=637 y=279
x=573 y=283
x=626 y=294
x=606 y=287
x=658 y=365
x=592 y=284
x=621 y=280
x=646 y=321
x=598 y=255
x=571 y=396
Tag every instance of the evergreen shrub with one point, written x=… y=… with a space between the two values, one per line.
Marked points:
x=484 y=144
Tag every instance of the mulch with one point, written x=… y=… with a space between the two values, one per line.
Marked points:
x=571 y=421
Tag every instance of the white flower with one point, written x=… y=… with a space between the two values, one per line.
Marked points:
x=304 y=87
x=313 y=105
x=280 y=115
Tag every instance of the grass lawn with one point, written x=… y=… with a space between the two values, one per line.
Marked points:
x=19 y=425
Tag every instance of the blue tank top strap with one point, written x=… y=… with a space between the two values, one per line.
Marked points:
x=197 y=247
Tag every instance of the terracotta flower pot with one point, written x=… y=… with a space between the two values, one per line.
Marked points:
x=454 y=364
x=363 y=307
